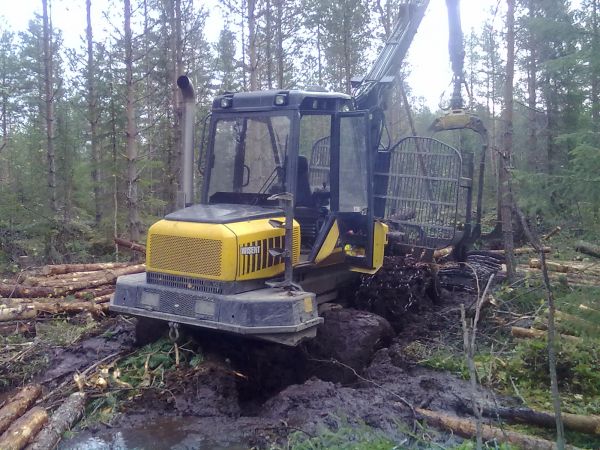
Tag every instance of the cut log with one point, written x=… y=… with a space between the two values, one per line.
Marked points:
x=18 y=312
x=467 y=428
x=442 y=252
x=67 y=307
x=551 y=233
x=528 y=333
x=588 y=249
x=102 y=278
x=103 y=298
x=69 y=268
x=24 y=429
x=18 y=404
x=68 y=414
x=521 y=251
x=130 y=245
x=575 y=422
x=96 y=292
x=552 y=266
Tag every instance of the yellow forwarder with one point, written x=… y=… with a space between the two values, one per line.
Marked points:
x=296 y=185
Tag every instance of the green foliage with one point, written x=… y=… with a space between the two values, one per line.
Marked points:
x=346 y=437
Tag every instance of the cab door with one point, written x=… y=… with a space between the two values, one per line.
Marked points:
x=352 y=199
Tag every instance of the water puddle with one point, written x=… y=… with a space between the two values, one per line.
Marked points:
x=176 y=434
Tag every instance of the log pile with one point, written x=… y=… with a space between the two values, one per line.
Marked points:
x=575 y=273
x=60 y=289
x=23 y=425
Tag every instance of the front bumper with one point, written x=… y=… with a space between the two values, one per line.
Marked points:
x=271 y=314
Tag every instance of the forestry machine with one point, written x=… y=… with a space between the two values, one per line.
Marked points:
x=301 y=193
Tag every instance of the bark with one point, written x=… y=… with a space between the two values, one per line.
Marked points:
x=16 y=406
x=505 y=157
x=68 y=414
x=595 y=73
x=466 y=428
x=93 y=113
x=70 y=268
x=49 y=106
x=588 y=249
x=19 y=312
x=131 y=245
x=24 y=429
x=133 y=206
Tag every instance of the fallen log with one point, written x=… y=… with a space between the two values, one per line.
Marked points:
x=467 y=428
x=588 y=249
x=24 y=429
x=575 y=422
x=18 y=290
x=529 y=333
x=69 y=268
x=134 y=246
x=68 y=414
x=16 y=406
x=19 y=312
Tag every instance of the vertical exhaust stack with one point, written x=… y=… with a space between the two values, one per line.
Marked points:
x=185 y=197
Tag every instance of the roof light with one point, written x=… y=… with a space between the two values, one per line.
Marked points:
x=226 y=102
x=281 y=99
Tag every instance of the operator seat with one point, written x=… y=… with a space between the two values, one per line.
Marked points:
x=303 y=193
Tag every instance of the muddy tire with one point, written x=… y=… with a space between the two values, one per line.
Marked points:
x=149 y=330
x=346 y=342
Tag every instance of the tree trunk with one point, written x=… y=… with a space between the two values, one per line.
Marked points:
x=24 y=429
x=280 y=58
x=63 y=419
x=16 y=406
x=132 y=151
x=532 y=157
x=70 y=268
x=49 y=106
x=93 y=113
x=19 y=312
x=595 y=65
x=588 y=249
x=505 y=157
x=252 y=45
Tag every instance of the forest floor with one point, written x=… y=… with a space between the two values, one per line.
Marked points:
x=217 y=391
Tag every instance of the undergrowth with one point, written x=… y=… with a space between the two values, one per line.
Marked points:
x=126 y=379
x=519 y=367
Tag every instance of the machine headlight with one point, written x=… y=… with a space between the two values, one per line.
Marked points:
x=281 y=99
x=226 y=102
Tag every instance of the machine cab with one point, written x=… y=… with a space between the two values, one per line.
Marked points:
x=307 y=153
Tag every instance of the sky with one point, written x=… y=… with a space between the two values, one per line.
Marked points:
x=428 y=56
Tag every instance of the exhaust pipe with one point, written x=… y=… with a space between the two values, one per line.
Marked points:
x=185 y=197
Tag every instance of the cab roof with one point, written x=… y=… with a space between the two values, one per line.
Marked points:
x=274 y=100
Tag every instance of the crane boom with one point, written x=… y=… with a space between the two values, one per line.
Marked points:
x=368 y=92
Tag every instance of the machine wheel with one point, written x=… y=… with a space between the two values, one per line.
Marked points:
x=149 y=330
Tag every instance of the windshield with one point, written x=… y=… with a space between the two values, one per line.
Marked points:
x=249 y=154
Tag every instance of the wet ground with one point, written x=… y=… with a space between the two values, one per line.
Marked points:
x=255 y=394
